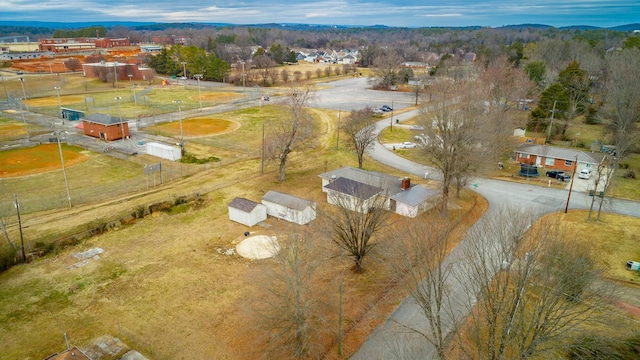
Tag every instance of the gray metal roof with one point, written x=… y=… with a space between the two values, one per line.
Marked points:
x=290 y=201
x=559 y=153
x=243 y=204
x=104 y=119
x=415 y=195
x=353 y=188
x=391 y=184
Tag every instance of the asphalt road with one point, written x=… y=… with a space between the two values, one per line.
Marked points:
x=394 y=339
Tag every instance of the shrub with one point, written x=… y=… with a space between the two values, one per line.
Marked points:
x=630 y=174
x=7 y=257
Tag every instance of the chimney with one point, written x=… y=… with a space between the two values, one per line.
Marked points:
x=406 y=183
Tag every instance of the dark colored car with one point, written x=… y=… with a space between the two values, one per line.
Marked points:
x=564 y=177
x=554 y=173
x=385 y=108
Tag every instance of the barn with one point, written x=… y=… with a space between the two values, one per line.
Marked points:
x=247 y=212
x=107 y=127
x=289 y=207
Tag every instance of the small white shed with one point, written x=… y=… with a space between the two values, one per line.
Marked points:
x=164 y=151
x=247 y=212
x=289 y=207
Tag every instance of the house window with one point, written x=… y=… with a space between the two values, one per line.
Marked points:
x=568 y=162
x=524 y=156
x=549 y=161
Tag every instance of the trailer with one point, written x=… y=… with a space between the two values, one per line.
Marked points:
x=164 y=151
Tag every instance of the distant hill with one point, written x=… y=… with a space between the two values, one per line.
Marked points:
x=50 y=27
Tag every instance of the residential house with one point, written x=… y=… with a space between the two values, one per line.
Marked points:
x=70 y=354
x=107 y=127
x=550 y=157
x=247 y=212
x=414 y=200
x=353 y=195
x=395 y=194
x=289 y=207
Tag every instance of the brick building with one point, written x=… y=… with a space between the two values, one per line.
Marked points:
x=107 y=127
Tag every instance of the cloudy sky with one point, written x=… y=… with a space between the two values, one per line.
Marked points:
x=410 y=13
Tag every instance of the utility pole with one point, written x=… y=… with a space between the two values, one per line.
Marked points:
x=198 y=77
x=17 y=206
x=262 y=152
x=575 y=166
x=553 y=112
x=338 y=130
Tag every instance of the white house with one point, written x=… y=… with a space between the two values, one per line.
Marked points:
x=353 y=195
x=414 y=201
x=395 y=194
x=289 y=207
x=247 y=212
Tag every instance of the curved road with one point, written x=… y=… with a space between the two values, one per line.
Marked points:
x=392 y=340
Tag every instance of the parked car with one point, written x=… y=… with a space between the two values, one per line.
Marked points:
x=585 y=174
x=386 y=108
x=554 y=173
x=407 y=145
x=416 y=127
x=377 y=111
x=265 y=98
x=564 y=177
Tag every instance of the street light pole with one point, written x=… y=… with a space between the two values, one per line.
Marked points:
x=179 y=102
x=24 y=94
x=198 y=77
x=59 y=103
x=242 y=62
x=135 y=101
x=64 y=172
x=184 y=72
x=118 y=98
x=338 y=131
x=115 y=73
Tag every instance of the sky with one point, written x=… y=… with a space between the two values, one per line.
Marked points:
x=396 y=13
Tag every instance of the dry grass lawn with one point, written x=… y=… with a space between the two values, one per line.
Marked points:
x=163 y=288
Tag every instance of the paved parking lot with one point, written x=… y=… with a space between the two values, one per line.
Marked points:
x=356 y=94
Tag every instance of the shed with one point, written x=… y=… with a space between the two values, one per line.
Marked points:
x=103 y=126
x=414 y=201
x=71 y=114
x=289 y=207
x=247 y=212
x=164 y=151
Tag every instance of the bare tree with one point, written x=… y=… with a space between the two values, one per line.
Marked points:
x=284 y=75
x=73 y=64
x=308 y=74
x=318 y=73
x=533 y=286
x=360 y=131
x=359 y=215
x=289 y=309
x=264 y=64
x=386 y=68
x=273 y=76
x=602 y=181
x=297 y=75
x=327 y=71
x=622 y=99
x=292 y=132
x=450 y=139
